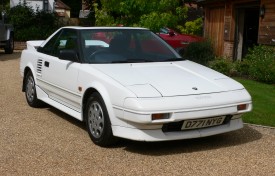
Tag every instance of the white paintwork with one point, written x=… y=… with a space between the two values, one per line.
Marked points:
x=170 y=79
x=133 y=92
x=33 y=45
x=158 y=135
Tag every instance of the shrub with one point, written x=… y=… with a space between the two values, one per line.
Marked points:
x=200 y=52
x=45 y=23
x=192 y=27
x=242 y=68
x=261 y=63
x=31 y=25
x=21 y=16
x=222 y=65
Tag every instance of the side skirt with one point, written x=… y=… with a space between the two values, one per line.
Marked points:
x=41 y=95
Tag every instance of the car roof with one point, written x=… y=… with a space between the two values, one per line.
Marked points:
x=102 y=27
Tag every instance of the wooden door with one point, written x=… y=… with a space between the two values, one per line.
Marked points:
x=214 y=28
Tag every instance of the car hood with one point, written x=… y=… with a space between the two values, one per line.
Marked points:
x=189 y=38
x=165 y=79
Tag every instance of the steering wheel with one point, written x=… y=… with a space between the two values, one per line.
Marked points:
x=92 y=56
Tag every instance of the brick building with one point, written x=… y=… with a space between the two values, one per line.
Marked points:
x=236 y=25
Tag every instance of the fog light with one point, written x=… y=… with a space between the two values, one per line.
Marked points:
x=241 y=107
x=160 y=116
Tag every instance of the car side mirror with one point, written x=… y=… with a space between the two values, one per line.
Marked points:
x=68 y=54
x=39 y=49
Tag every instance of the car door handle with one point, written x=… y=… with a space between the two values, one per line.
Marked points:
x=47 y=64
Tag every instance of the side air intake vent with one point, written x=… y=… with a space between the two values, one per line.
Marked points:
x=39 y=67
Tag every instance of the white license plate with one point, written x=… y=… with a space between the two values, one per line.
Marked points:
x=202 y=123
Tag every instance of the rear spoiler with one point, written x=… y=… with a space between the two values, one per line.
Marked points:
x=34 y=44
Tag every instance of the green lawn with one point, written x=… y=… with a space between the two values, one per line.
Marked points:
x=263 y=99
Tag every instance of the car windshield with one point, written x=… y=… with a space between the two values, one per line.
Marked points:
x=164 y=30
x=125 y=46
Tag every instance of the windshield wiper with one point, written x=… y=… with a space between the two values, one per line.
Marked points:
x=120 y=61
x=146 y=60
x=173 y=59
x=132 y=61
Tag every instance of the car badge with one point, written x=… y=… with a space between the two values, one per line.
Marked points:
x=194 y=88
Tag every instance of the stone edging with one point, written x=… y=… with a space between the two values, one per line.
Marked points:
x=262 y=126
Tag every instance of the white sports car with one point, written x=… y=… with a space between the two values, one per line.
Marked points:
x=127 y=82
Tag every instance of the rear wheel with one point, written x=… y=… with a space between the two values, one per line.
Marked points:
x=9 y=45
x=30 y=91
x=98 y=122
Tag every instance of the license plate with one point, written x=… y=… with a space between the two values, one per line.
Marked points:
x=202 y=123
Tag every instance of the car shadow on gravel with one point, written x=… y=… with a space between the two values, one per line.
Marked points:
x=239 y=137
x=235 y=138
x=65 y=116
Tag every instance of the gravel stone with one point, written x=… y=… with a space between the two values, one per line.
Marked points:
x=46 y=141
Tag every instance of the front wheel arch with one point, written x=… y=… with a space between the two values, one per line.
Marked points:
x=29 y=87
x=98 y=119
x=87 y=93
x=27 y=69
x=99 y=88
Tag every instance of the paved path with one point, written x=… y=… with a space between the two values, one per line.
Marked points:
x=46 y=141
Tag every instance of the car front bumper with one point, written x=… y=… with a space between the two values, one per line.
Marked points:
x=158 y=134
x=138 y=123
x=140 y=110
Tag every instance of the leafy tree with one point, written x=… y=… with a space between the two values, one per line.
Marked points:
x=21 y=15
x=152 y=14
x=4 y=5
x=192 y=27
x=90 y=4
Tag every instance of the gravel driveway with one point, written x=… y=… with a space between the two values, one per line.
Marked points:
x=46 y=141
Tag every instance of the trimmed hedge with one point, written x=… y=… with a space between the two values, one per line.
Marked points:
x=31 y=25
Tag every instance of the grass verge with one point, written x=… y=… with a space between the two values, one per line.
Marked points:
x=263 y=99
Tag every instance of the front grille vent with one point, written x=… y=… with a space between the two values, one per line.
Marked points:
x=39 y=67
x=173 y=126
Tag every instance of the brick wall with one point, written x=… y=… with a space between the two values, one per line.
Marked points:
x=228 y=49
x=20 y=45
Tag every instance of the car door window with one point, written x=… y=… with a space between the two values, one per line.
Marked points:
x=48 y=48
x=65 y=39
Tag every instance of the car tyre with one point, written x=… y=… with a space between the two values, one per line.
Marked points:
x=9 y=45
x=30 y=91
x=97 y=121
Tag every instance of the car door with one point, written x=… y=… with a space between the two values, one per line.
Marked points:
x=59 y=77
